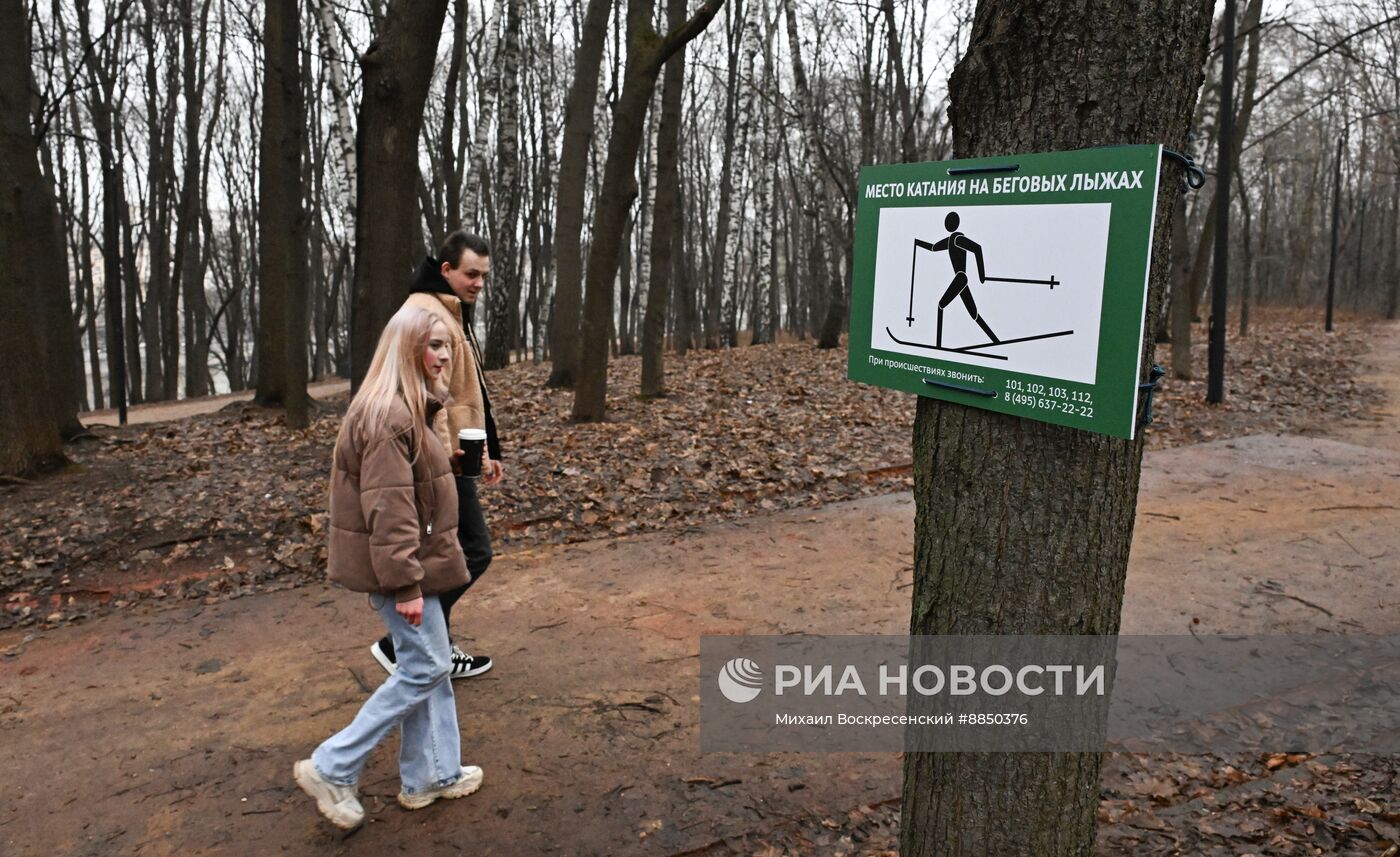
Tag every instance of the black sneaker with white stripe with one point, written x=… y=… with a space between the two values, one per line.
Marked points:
x=463 y=664
x=466 y=666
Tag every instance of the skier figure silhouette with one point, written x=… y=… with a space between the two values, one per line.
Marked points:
x=958 y=246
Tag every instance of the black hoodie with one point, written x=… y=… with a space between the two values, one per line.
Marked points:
x=429 y=279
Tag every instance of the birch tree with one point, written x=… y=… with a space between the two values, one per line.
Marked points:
x=503 y=299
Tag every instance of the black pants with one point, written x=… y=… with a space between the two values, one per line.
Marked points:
x=476 y=544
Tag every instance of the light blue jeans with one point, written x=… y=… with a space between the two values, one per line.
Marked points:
x=417 y=697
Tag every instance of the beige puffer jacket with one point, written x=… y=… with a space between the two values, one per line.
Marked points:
x=393 y=526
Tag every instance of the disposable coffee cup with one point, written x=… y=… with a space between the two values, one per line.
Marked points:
x=472 y=442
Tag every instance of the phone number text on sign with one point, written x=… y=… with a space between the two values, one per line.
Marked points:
x=1047 y=397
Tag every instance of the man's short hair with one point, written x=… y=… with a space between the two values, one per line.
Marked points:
x=459 y=241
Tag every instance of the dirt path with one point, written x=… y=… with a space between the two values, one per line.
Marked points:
x=1383 y=369
x=173 y=731
x=160 y=411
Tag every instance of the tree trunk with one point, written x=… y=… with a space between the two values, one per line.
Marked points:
x=573 y=182
x=1247 y=244
x=1200 y=266
x=237 y=366
x=766 y=300
x=80 y=245
x=721 y=254
x=101 y=107
x=542 y=242
x=397 y=70
x=32 y=262
x=1024 y=527
x=503 y=299
x=646 y=53
x=89 y=290
x=1392 y=303
x=907 y=148
x=64 y=356
x=668 y=139
x=133 y=322
x=682 y=269
x=342 y=128
x=282 y=223
x=449 y=147
x=478 y=180
x=1180 y=310
x=314 y=185
x=187 y=241
x=162 y=297
x=817 y=195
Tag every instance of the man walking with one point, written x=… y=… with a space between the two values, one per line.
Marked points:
x=447 y=286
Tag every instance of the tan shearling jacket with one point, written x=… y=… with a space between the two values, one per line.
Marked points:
x=465 y=409
x=393 y=521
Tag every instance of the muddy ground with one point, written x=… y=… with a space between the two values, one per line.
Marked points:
x=168 y=730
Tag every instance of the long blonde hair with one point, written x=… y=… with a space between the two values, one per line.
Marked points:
x=396 y=373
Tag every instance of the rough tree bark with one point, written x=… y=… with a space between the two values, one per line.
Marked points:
x=397 y=70
x=1023 y=527
x=282 y=224
x=503 y=299
x=647 y=51
x=32 y=262
x=573 y=182
x=668 y=139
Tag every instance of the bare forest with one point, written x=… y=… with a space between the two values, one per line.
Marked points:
x=215 y=201
x=709 y=207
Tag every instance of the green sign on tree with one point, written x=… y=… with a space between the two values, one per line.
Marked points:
x=1016 y=284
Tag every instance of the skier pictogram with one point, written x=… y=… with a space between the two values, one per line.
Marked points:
x=958 y=245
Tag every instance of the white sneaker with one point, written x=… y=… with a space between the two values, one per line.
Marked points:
x=469 y=782
x=339 y=804
x=388 y=665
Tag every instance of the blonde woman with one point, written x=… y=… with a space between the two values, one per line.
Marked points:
x=393 y=534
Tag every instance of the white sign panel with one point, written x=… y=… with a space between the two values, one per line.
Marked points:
x=1013 y=287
